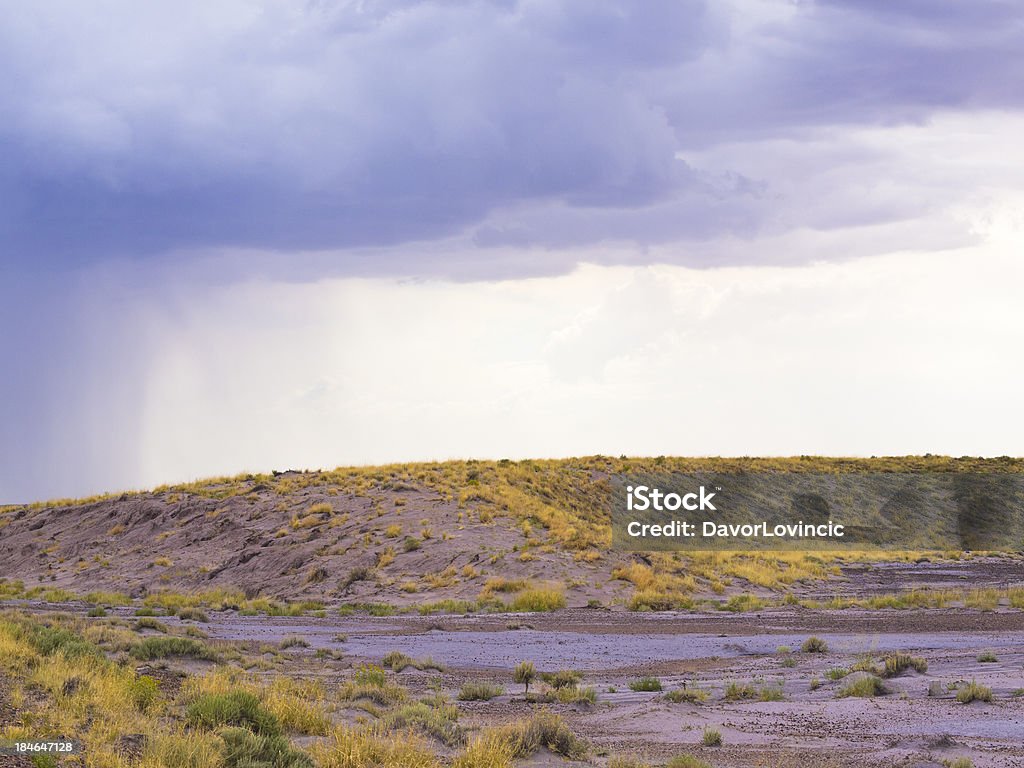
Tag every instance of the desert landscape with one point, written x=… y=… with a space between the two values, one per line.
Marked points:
x=474 y=614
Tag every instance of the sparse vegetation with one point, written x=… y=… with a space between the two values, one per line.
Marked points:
x=814 y=645
x=645 y=684
x=867 y=686
x=973 y=691
x=711 y=737
x=524 y=674
x=478 y=691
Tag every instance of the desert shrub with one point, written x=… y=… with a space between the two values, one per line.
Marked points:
x=193 y=614
x=743 y=603
x=245 y=749
x=439 y=722
x=687 y=696
x=162 y=647
x=576 y=695
x=143 y=692
x=476 y=691
x=987 y=657
x=97 y=612
x=689 y=761
x=316 y=575
x=564 y=678
x=538 y=599
x=361 y=573
x=293 y=641
x=867 y=686
x=712 y=737
x=958 y=762
x=973 y=691
x=370 y=674
x=524 y=673
x=238 y=708
x=898 y=663
x=397 y=661
x=735 y=691
x=645 y=684
x=146 y=611
x=148 y=622
x=108 y=598
x=393 y=531
x=411 y=544
x=544 y=729
x=50 y=641
x=814 y=645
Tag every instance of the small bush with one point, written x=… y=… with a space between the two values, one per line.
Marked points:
x=987 y=657
x=239 y=708
x=689 y=761
x=293 y=641
x=245 y=749
x=97 y=612
x=538 y=599
x=370 y=674
x=837 y=673
x=193 y=614
x=712 y=737
x=973 y=692
x=524 y=673
x=440 y=722
x=148 y=622
x=544 y=729
x=814 y=645
x=143 y=692
x=868 y=686
x=163 y=647
x=645 y=684
x=897 y=663
x=565 y=678
x=687 y=695
x=411 y=544
x=576 y=695
x=959 y=762
x=474 y=691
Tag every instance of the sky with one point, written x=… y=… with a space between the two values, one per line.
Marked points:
x=252 y=235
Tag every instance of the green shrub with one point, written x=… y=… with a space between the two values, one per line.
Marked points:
x=538 y=600
x=837 y=673
x=239 y=708
x=148 y=622
x=564 y=678
x=143 y=692
x=162 y=647
x=441 y=722
x=973 y=692
x=645 y=684
x=293 y=641
x=897 y=663
x=544 y=729
x=475 y=691
x=864 y=687
x=245 y=749
x=687 y=695
x=370 y=674
x=814 y=645
x=524 y=673
x=56 y=640
x=193 y=614
x=987 y=657
x=689 y=761
x=712 y=737
x=97 y=612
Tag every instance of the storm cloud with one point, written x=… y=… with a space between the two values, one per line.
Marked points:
x=142 y=129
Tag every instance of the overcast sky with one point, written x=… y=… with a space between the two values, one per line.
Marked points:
x=249 y=235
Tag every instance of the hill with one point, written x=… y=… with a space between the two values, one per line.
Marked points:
x=486 y=533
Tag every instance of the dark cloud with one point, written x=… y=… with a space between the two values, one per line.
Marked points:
x=133 y=129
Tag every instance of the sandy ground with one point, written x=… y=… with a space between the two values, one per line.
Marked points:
x=910 y=726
